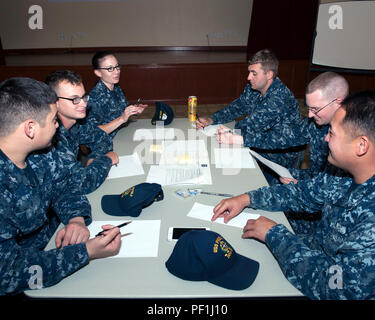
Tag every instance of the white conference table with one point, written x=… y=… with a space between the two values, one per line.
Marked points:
x=148 y=277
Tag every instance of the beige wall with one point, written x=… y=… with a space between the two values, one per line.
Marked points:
x=126 y=23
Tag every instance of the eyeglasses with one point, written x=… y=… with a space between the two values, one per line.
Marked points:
x=316 y=111
x=111 y=69
x=77 y=100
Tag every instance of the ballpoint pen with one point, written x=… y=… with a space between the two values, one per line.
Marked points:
x=119 y=226
x=199 y=120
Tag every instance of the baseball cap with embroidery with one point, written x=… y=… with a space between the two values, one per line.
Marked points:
x=201 y=255
x=163 y=113
x=133 y=200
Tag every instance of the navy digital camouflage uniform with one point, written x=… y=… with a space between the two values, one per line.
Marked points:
x=67 y=142
x=27 y=222
x=342 y=240
x=106 y=105
x=266 y=117
x=306 y=132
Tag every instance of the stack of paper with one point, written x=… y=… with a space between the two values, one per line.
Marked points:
x=182 y=162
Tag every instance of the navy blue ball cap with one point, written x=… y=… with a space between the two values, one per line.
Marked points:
x=202 y=255
x=163 y=112
x=133 y=200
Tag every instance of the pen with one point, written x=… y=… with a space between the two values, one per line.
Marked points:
x=119 y=226
x=199 y=120
x=227 y=131
x=217 y=194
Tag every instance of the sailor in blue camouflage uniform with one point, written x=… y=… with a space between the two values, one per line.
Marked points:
x=108 y=107
x=37 y=194
x=324 y=95
x=336 y=259
x=71 y=108
x=269 y=107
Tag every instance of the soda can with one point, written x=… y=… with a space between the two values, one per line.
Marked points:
x=192 y=108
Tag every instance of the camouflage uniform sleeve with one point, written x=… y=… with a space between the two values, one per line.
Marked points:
x=305 y=196
x=19 y=265
x=26 y=227
x=235 y=109
x=89 y=178
x=275 y=117
x=69 y=200
x=301 y=174
x=326 y=264
x=96 y=139
x=94 y=114
x=316 y=274
x=287 y=136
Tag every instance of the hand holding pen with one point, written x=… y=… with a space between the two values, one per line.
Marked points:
x=106 y=245
x=119 y=226
x=201 y=123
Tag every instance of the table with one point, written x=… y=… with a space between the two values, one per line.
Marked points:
x=148 y=277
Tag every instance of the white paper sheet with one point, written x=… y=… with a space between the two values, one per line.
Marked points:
x=211 y=130
x=128 y=166
x=233 y=158
x=171 y=175
x=280 y=170
x=182 y=162
x=154 y=134
x=143 y=242
x=184 y=152
x=205 y=212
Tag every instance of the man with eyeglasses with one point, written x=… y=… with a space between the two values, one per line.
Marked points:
x=335 y=259
x=108 y=107
x=71 y=108
x=324 y=95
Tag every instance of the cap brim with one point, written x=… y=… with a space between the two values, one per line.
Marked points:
x=111 y=205
x=240 y=276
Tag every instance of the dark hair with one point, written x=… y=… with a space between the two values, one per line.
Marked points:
x=22 y=99
x=99 y=56
x=267 y=59
x=55 y=77
x=360 y=114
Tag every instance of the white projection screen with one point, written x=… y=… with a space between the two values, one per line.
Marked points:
x=124 y=23
x=346 y=35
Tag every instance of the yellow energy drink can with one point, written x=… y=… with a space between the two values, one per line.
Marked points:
x=192 y=108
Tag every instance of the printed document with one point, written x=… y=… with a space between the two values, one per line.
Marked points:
x=182 y=162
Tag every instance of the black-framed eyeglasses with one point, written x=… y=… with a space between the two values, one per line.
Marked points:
x=77 y=100
x=111 y=69
x=314 y=111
